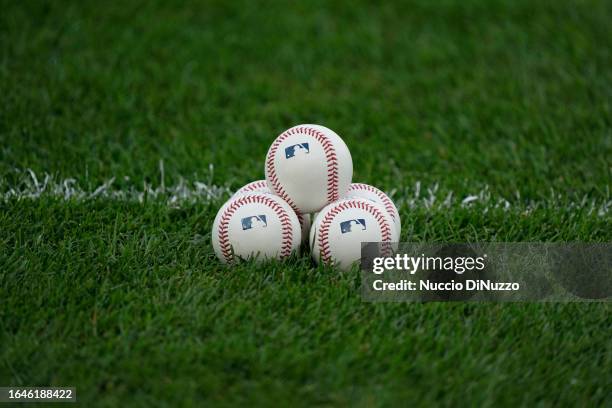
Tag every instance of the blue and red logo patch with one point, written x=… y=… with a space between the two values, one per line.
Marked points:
x=296 y=149
x=352 y=225
x=254 y=221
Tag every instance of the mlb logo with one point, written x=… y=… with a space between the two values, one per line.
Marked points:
x=254 y=221
x=296 y=149
x=347 y=226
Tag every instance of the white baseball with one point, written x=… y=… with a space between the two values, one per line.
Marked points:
x=361 y=190
x=309 y=166
x=341 y=227
x=255 y=225
x=261 y=186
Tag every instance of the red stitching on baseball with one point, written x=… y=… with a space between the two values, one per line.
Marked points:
x=330 y=155
x=259 y=184
x=254 y=186
x=385 y=228
x=300 y=217
x=386 y=201
x=283 y=216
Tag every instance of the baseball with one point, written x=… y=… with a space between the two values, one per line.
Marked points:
x=341 y=227
x=261 y=186
x=309 y=166
x=255 y=225
x=361 y=190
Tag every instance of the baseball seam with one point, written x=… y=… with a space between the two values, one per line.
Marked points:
x=254 y=185
x=286 y=227
x=261 y=184
x=386 y=201
x=330 y=156
x=323 y=238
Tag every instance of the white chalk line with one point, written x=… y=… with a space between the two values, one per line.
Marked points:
x=33 y=186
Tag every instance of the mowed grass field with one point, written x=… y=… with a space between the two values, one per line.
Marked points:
x=124 y=127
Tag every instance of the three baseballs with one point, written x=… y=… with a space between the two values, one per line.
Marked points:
x=308 y=169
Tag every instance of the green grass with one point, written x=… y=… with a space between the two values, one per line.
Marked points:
x=126 y=301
